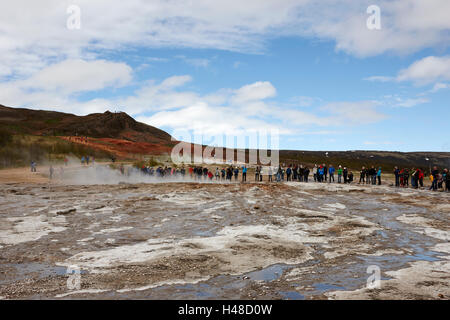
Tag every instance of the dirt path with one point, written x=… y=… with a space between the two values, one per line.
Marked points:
x=24 y=175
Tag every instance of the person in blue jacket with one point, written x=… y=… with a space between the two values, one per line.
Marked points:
x=331 y=171
x=320 y=172
x=244 y=173
x=379 y=175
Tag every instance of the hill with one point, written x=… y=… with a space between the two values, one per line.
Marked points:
x=98 y=125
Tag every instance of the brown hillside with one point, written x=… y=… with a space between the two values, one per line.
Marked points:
x=98 y=125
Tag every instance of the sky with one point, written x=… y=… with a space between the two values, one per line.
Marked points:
x=322 y=74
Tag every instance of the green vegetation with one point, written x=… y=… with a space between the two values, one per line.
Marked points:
x=19 y=150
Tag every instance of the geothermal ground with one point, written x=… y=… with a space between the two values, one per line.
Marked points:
x=188 y=240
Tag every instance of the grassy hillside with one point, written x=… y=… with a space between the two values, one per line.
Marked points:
x=19 y=150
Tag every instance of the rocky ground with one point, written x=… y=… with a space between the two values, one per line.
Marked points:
x=189 y=240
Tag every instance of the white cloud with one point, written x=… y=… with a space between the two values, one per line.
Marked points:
x=439 y=86
x=427 y=70
x=256 y=91
x=33 y=34
x=77 y=75
x=358 y=112
x=408 y=103
x=53 y=85
x=379 y=79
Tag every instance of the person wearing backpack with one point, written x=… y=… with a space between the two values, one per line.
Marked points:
x=288 y=173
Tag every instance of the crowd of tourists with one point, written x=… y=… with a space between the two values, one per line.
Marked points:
x=318 y=173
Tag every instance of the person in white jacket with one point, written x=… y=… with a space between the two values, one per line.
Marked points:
x=315 y=172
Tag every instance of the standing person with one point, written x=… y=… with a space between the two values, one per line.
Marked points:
x=66 y=161
x=51 y=170
x=257 y=173
x=301 y=173
x=260 y=173
x=270 y=172
x=397 y=176
x=401 y=173
x=244 y=173
x=362 y=175
x=421 y=176
x=331 y=171
x=379 y=175
x=279 y=171
x=315 y=172
x=320 y=173
x=205 y=173
x=306 y=174
x=345 y=174
x=373 y=174
x=413 y=175
x=295 y=173
x=368 y=177
x=33 y=166
x=325 y=172
x=441 y=181
x=406 y=177
x=236 y=173
x=82 y=160
x=223 y=173
x=217 y=174
x=210 y=175
x=339 y=172
x=435 y=175
x=288 y=173
x=416 y=178
x=447 y=180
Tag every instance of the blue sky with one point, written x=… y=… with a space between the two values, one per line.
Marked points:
x=315 y=73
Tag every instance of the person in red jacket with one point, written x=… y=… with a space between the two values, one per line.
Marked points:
x=421 y=176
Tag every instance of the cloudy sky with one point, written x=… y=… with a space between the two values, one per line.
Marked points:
x=312 y=70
